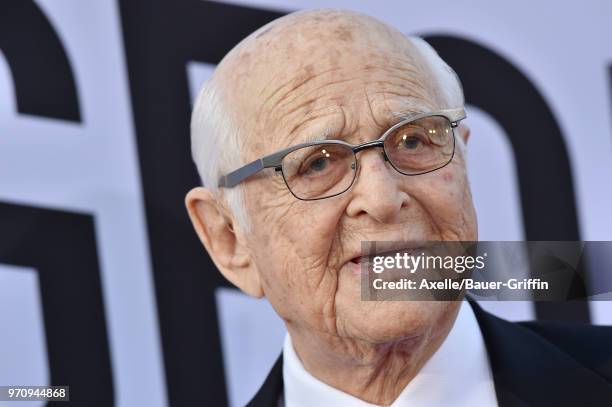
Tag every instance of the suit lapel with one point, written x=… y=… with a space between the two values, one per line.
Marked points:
x=272 y=388
x=530 y=371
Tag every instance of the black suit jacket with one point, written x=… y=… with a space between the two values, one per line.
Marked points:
x=533 y=364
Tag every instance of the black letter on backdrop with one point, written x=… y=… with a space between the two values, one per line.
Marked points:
x=61 y=247
x=44 y=82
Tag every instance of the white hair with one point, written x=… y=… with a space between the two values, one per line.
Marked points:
x=448 y=82
x=216 y=140
x=216 y=147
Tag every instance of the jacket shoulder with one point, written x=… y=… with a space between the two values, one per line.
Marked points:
x=591 y=345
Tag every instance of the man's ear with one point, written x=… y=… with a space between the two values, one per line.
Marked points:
x=464 y=132
x=224 y=240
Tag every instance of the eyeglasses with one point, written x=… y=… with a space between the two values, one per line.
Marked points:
x=416 y=145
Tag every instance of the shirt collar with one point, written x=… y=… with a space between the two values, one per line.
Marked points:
x=457 y=374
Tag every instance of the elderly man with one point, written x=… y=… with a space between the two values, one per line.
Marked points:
x=308 y=138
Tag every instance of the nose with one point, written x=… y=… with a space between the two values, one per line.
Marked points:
x=377 y=191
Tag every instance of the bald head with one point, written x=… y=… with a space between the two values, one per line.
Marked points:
x=311 y=73
x=279 y=61
x=308 y=42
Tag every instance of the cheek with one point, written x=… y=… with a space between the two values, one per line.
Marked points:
x=453 y=186
x=291 y=244
x=303 y=230
x=442 y=189
x=448 y=199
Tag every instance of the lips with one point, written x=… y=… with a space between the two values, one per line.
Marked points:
x=357 y=259
x=409 y=251
x=354 y=264
x=387 y=249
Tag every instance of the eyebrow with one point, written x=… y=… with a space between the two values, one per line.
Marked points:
x=318 y=136
x=407 y=114
x=327 y=133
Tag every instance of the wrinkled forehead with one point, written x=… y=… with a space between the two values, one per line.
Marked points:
x=305 y=66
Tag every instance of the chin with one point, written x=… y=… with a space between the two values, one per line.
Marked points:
x=398 y=321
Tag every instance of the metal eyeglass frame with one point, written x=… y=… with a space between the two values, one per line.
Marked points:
x=274 y=160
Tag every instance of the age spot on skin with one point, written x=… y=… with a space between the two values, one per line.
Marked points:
x=310 y=68
x=344 y=33
x=339 y=100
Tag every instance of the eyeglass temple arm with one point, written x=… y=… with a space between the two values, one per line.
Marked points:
x=236 y=177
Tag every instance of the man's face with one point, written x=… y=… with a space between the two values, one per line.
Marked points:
x=346 y=84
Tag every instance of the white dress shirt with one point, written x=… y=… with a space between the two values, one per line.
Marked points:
x=458 y=374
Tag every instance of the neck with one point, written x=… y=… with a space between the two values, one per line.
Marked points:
x=374 y=372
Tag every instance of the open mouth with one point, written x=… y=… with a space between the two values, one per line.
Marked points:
x=355 y=265
x=390 y=253
x=363 y=264
x=357 y=260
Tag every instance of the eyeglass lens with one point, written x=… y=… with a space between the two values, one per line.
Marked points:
x=324 y=170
